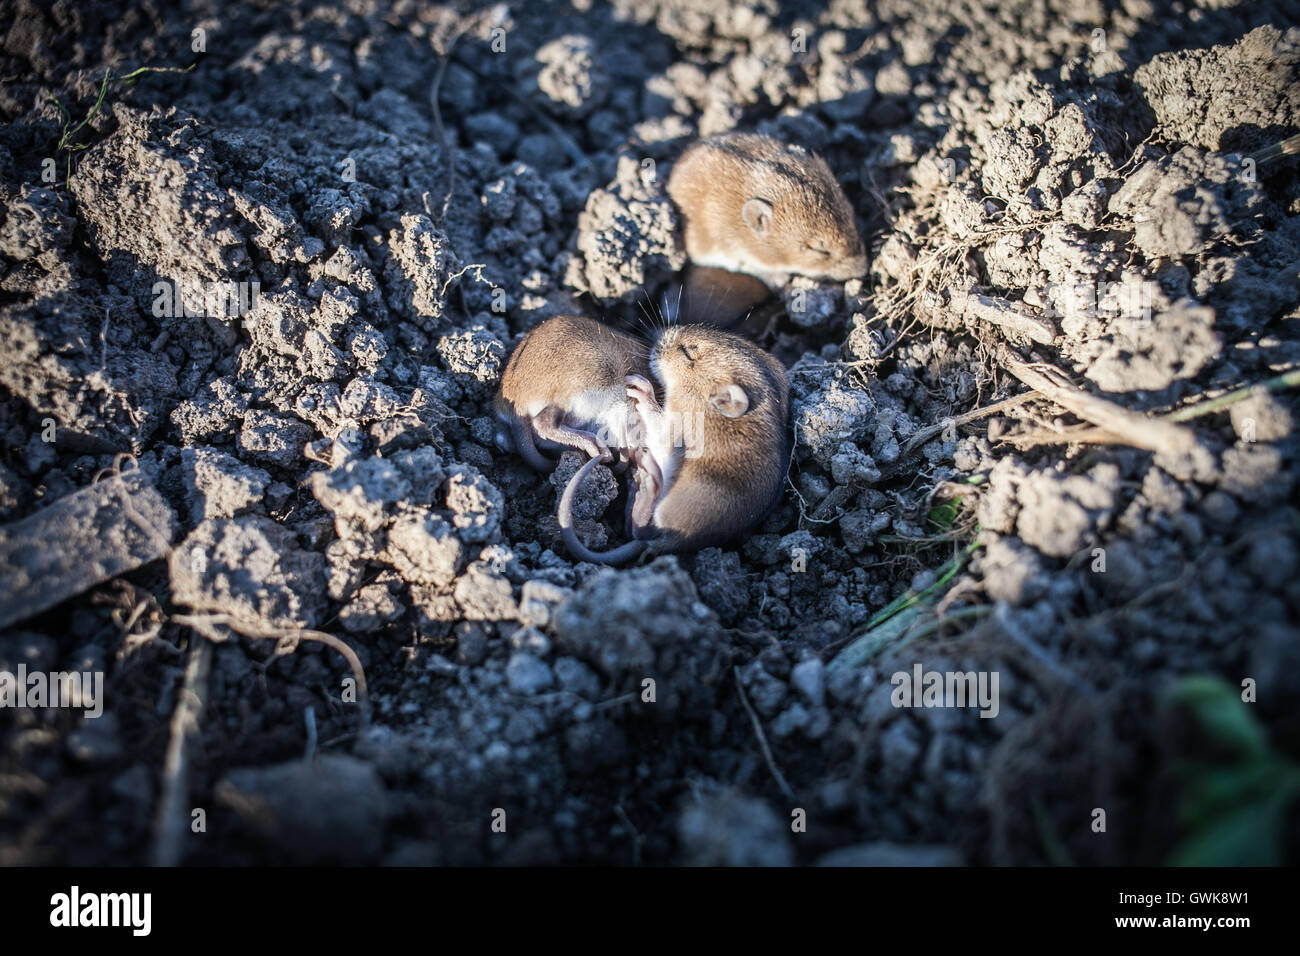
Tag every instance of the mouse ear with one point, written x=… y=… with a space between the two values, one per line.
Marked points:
x=757 y=214
x=730 y=401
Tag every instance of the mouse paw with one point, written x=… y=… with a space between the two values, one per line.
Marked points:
x=640 y=390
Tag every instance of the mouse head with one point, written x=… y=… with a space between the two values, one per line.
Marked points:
x=794 y=217
x=721 y=377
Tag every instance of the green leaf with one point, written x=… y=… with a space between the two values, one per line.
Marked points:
x=945 y=515
x=1233 y=809
x=1212 y=789
x=1223 y=717
x=1249 y=835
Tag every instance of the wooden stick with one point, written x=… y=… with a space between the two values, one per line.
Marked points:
x=169 y=826
x=929 y=431
x=1187 y=413
x=762 y=739
x=1133 y=428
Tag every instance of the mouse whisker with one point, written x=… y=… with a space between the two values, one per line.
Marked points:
x=646 y=316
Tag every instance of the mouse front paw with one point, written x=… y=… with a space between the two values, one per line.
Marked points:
x=640 y=391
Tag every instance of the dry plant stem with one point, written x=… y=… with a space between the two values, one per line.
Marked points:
x=762 y=739
x=1187 y=413
x=826 y=510
x=209 y=626
x=1287 y=147
x=443 y=48
x=1086 y=436
x=442 y=135
x=1129 y=427
x=939 y=622
x=930 y=431
x=169 y=826
x=309 y=718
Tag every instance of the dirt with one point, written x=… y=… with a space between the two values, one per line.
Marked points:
x=282 y=286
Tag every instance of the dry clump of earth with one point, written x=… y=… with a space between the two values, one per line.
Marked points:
x=1084 y=192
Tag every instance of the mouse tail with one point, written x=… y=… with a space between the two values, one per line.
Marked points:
x=620 y=555
x=525 y=440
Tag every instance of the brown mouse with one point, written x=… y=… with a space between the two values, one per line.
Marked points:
x=754 y=205
x=565 y=387
x=715 y=297
x=715 y=452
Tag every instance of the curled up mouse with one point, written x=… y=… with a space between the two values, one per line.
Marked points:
x=564 y=386
x=715 y=450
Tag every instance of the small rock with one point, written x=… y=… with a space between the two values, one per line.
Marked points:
x=330 y=810
x=809 y=678
x=525 y=674
x=730 y=829
x=273 y=439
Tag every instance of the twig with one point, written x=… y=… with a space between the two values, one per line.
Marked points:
x=632 y=832
x=939 y=621
x=1013 y=317
x=1132 y=428
x=287 y=642
x=1089 y=435
x=762 y=739
x=169 y=827
x=615 y=701
x=443 y=47
x=442 y=135
x=1287 y=147
x=929 y=431
x=824 y=512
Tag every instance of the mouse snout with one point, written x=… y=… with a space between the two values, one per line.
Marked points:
x=854 y=267
x=667 y=336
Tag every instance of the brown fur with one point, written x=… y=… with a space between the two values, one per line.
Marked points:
x=721 y=298
x=812 y=231
x=738 y=476
x=558 y=366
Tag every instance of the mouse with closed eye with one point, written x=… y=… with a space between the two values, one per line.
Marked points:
x=754 y=205
x=715 y=450
x=565 y=386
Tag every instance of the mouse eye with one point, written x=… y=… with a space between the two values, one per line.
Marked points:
x=689 y=352
x=818 y=250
